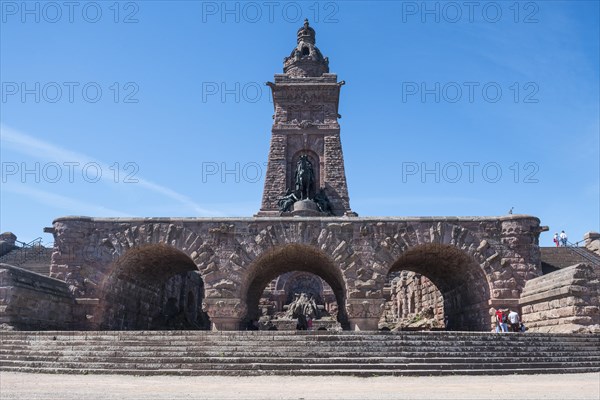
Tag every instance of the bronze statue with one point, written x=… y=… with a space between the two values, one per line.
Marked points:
x=304 y=177
x=323 y=202
x=286 y=202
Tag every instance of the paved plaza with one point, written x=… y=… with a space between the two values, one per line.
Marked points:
x=101 y=387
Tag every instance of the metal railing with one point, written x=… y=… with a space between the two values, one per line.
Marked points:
x=584 y=253
x=23 y=252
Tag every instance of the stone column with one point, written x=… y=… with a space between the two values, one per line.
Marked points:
x=225 y=314
x=364 y=314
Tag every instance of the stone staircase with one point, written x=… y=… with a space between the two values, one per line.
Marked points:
x=297 y=353
x=35 y=259
x=555 y=258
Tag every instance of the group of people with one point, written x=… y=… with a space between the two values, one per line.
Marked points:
x=560 y=240
x=508 y=319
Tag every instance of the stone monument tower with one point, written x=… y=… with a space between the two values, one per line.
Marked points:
x=305 y=174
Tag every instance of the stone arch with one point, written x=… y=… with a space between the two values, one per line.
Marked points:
x=458 y=277
x=149 y=232
x=394 y=246
x=287 y=258
x=186 y=240
x=133 y=292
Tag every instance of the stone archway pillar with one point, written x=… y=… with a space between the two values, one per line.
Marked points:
x=364 y=314
x=225 y=314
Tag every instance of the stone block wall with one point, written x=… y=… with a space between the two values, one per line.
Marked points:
x=29 y=301
x=414 y=301
x=565 y=301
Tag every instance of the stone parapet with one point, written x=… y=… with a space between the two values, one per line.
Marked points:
x=565 y=301
x=29 y=301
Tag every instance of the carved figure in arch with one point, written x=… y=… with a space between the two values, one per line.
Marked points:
x=304 y=177
x=286 y=202
x=303 y=307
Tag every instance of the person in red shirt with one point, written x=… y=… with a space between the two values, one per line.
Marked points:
x=501 y=317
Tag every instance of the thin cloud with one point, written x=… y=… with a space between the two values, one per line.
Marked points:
x=39 y=149
x=62 y=202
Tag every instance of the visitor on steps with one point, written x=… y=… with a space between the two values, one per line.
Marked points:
x=501 y=321
x=515 y=322
x=563 y=238
x=555 y=239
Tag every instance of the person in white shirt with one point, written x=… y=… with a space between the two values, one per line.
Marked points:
x=563 y=238
x=515 y=322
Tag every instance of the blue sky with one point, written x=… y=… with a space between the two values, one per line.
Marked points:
x=157 y=108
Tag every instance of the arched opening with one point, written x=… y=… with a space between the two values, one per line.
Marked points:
x=441 y=283
x=152 y=287
x=305 y=51
x=297 y=261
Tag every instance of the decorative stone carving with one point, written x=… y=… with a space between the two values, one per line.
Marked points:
x=306 y=124
x=224 y=308
x=364 y=308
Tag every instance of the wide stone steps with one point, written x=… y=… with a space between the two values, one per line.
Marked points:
x=417 y=358
x=237 y=349
x=308 y=372
x=562 y=257
x=276 y=366
x=297 y=353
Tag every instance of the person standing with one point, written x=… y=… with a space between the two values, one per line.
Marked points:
x=555 y=239
x=501 y=321
x=563 y=238
x=515 y=322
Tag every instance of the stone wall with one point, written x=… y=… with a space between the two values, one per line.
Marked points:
x=564 y=301
x=29 y=301
x=234 y=256
x=414 y=302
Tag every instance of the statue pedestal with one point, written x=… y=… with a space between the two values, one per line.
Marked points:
x=364 y=324
x=364 y=314
x=226 y=324
x=225 y=313
x=306 y=208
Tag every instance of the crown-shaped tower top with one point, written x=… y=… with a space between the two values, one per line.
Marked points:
x=305 y=60
x=306 y=33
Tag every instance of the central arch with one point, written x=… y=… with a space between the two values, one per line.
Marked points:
x=289 y=258
x=458 y=277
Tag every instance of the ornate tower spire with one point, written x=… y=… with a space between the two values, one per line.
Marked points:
x=306 y=59
x=305 y=174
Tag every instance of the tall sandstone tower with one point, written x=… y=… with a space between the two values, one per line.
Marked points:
x=306 y=99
